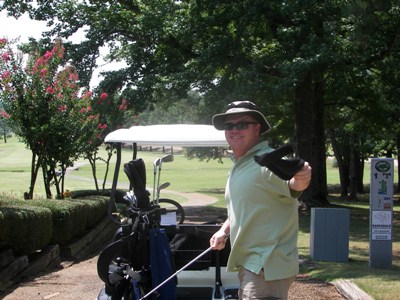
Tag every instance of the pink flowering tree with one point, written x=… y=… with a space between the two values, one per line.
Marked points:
x=43 y=104
x=110 y=112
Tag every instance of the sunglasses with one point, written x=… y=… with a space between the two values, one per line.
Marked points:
x=239 y=126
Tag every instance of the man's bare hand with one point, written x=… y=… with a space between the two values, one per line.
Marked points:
x=218 y=240
x=301 y=180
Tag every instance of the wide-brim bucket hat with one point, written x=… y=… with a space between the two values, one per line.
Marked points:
x=241 y=107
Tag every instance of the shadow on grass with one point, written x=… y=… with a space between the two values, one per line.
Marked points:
x=212 y=191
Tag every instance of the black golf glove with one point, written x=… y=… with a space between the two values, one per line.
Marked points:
x=283 y=168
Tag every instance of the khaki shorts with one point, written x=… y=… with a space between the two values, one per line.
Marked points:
x=255 y=287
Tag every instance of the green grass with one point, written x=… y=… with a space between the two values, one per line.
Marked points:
x=379 y=283
x=209 y=178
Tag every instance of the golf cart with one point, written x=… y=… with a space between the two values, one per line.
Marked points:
x=154 y=253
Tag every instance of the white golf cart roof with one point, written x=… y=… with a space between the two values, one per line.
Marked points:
x=179 y=135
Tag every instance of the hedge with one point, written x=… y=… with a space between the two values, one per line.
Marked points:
x=24 y=228
x=46 y=222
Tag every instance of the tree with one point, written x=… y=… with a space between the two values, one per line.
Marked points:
x=362 y=108
x=42 y=105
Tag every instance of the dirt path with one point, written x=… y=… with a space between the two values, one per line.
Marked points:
x=80 y=281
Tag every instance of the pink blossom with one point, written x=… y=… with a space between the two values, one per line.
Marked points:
x=5 y=75
x=49 y=90
x=59 y=50
x=73 y=76
x=3 y=41
x=6 y=56
x=87 y=95
x=61 y=53
x=82 y=110
x=92 y=117
x=39 y=62
x=43 y=72
x=48 y=55
x=89 y=108
x=102 y=126
x=103 y=96
x=3 y=113
x=62 y=108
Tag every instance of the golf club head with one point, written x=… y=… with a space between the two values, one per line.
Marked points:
x=164 y=186
x=157 y=162
x=167 y=158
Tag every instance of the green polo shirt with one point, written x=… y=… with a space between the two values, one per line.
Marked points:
x=263 y=219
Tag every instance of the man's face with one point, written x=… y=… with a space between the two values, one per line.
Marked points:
x=241 y=140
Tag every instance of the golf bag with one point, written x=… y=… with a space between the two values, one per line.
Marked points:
x=139 y=258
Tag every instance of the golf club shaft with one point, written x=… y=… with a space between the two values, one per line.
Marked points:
x=176 y=273
x=180 y=270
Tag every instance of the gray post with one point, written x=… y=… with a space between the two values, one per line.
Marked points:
x=329 y=234
x=381 y=213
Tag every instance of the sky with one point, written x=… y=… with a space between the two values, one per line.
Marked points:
x=23 y=28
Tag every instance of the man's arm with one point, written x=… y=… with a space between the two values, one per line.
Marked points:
x=218 y=240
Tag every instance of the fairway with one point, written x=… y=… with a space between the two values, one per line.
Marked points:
x=185 y=175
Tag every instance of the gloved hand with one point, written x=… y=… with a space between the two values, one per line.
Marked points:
x=283 y=168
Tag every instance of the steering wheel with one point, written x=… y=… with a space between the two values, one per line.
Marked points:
x=169 y=205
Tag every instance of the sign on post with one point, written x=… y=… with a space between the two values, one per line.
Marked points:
x=381 y=213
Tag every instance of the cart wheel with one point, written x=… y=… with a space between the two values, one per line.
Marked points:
x=173 y=206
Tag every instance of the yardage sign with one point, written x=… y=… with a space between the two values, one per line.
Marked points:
x=381 y=212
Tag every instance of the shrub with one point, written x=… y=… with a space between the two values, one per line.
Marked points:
x=24 y=228
x=69 y=218
x=27 y=226
x=72 y=218
x=97 y=209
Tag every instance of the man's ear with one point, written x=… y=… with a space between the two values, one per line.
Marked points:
x=258 y=129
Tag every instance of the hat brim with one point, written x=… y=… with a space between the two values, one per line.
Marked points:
x=219 y=120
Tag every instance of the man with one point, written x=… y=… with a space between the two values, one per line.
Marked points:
x=262 y=209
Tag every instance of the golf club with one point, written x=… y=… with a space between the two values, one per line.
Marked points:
x=180 y=270
x=161 y=187
x=166 y=158
x=176 y=273
x=155 y=165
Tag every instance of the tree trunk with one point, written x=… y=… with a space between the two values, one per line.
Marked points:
x=360 y=175
x=62 y=179
x=110 y=150
x=353 y=178
x=5 y=135
x=92 y=161
x=46 y=180
x=56 y=183
x=309 y=113
x=342 y=166
x=398 y=163
x=35 y=165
